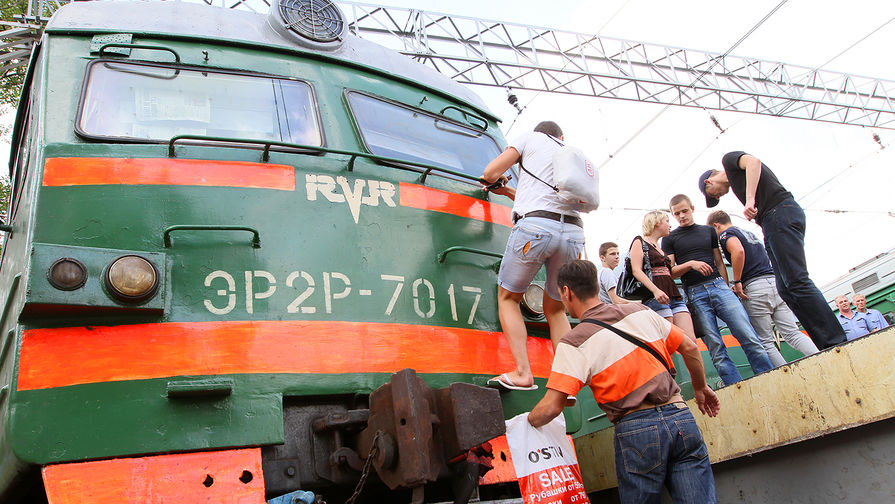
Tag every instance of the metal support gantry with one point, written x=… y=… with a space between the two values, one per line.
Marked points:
x=494 y=53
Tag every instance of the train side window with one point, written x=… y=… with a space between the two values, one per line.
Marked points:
x=394 y=130
x=132 y=101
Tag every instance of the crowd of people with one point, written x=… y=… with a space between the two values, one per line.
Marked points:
x=769 y=286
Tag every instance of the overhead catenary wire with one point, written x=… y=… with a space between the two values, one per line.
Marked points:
x=876 y=136
x=693 y=83
x=695 y=80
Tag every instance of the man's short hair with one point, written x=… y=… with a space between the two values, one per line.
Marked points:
x=581 y=277
x=718 y=217
x=651 y=219
x=679 y=198
x=604 y=248
x=549 y=128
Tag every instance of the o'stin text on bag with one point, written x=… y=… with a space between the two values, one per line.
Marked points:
x=546 y=453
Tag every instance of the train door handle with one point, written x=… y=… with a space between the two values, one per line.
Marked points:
x=166 y=237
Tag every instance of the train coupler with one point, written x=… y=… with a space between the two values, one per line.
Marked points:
x=420 y=430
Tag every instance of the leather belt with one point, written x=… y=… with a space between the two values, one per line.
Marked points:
x=569 y=219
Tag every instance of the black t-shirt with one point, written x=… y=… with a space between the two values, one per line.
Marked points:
x=756 y=263
x=769 y=191
x=696 y=242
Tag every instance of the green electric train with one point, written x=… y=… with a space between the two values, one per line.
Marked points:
x=248 y=260
x=229 y=233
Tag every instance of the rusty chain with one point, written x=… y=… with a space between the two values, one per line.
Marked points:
x=374 y=449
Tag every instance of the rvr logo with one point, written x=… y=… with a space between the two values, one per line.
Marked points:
x=338 y=190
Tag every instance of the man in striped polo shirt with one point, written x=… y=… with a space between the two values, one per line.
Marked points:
x=656 y=437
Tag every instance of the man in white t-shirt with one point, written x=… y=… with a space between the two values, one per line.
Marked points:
x=545 y=233
x=609 y=257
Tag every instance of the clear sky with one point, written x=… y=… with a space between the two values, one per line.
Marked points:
x=826 y=167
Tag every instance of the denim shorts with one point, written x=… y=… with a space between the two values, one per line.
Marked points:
x=666 y=310
x=536 y=242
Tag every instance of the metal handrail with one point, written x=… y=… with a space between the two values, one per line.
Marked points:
x=459 y=248
x=141 y=46
x=166 y=237
x=265 y=156
x=466 y=115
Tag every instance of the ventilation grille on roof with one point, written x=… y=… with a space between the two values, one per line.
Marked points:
x=865 y=282
x=315 y=20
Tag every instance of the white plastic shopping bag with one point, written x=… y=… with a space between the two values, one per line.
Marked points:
x=545 y=463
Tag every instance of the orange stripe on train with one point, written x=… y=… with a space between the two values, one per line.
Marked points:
x=162 y=171
x=183 y=477
x=145 y=351
x=426 y=198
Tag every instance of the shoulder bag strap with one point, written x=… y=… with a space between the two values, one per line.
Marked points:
x=635 y=341
x=555 y=188
x=647 y=267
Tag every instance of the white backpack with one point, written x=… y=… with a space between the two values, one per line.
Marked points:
x=576 y=178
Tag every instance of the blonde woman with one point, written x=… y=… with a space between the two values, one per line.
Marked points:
x=667 y=300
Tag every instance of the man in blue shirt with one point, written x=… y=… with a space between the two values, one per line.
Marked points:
x=853 y=324
x=875 y=319
x=753 y=282
x=696 y=259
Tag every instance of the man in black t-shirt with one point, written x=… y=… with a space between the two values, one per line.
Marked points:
x=782 y=222
x=696 y=258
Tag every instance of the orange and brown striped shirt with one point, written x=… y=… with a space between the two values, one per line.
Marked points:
x=621 y=375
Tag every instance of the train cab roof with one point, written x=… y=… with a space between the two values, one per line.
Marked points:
x=200 y=21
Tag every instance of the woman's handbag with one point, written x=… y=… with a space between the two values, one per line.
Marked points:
x=628 y=286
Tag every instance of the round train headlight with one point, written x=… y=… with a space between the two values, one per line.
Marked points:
x=533 y=300
x=132 y=279
x=67 y=274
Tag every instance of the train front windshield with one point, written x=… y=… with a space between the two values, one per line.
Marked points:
x=394 y=130
x=142 y=102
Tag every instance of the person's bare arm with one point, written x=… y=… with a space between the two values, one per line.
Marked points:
x=719 y=263
x=616 y=299
x=547 y=408
x=500 y=164
x=507 y=191
x=752 y=165
x=737 y=262
x=636 y=254
x=705 y=397
x=677 y=270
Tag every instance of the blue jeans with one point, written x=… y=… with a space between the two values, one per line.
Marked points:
x=662 y=445
x=784 y=237
x=715 y=299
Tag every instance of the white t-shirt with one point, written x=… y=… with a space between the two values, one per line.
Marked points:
x=536 y=150
x=607 y=283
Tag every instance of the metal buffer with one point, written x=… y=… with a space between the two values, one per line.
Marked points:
x=415 y=432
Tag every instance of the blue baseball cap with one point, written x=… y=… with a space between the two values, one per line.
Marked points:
x=709 y=201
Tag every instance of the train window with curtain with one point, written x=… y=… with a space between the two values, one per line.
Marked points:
x=131 y=101
x=394 y=130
